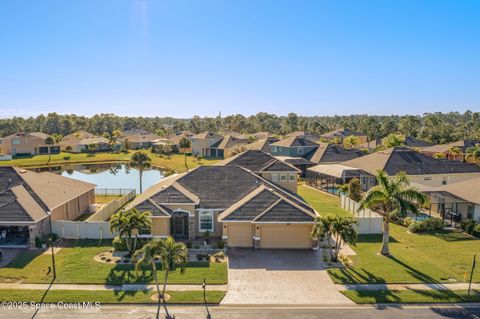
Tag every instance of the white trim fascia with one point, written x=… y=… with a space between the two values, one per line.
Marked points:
x=306 y=223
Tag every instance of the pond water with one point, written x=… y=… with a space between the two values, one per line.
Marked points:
x=111 y=175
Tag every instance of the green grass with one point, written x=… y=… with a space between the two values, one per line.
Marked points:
x=440 y=256
x=325 y=204
x=107 y=296
x=415 y=258
x=175 y=162
x=76 y=265
x=411 y=296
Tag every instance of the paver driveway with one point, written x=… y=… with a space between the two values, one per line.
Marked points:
x=279 y=277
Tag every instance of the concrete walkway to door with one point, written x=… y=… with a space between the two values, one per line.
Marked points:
x=279 y=277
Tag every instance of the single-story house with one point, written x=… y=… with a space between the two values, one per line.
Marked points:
x=230 y=202
x=139 y=139
x=27 y=144
x=276 y=171
x=453 y=151
x=27 y=197
x=79 y=142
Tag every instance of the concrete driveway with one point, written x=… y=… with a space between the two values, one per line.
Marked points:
x=279 y=277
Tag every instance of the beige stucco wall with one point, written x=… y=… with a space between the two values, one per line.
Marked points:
x=436 y=179
x=291 y=185
x=25 y=145
x=75 y=207
x=160 y=226
x=200 y=145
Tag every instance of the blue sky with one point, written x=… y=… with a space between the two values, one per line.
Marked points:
x=184 y=58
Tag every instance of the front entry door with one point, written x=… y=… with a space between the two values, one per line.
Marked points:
x=179 y=225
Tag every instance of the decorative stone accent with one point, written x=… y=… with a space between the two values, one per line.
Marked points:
x=192 y=227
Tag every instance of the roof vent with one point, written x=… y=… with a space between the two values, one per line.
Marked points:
x=22 y=171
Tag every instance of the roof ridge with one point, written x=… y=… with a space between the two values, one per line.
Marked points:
x=241 y=201
x=268 y=209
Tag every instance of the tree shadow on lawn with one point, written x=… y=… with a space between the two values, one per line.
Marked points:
x=352 y=276
x=23 y=259
x=126 y=274
x=450 y=235
x=421 y=276
x=121 y=294
x=374 y=239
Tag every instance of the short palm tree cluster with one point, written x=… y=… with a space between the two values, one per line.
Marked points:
x=340 y=229
x=128 y=224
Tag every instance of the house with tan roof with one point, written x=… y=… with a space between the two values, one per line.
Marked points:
x=209 y=144
x=79 y=142
x=175 y=142
x=452 y=151
x=341 y=133
x=27 y=144
x=228 y=202
x=27 y=198
x=139 y=139
x=262 y=144
x=409 y=141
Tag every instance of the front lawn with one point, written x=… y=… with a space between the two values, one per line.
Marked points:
x=75 y=264
x=442 y=256
x=411 y=296
x=325 y=204
x=108 y=296
x=175 y=162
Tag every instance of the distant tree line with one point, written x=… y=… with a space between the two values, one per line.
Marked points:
x=434 y=127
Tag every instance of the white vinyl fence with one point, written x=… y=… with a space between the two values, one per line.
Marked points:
x=104 y=213
x=369 y=222
x=82 y=230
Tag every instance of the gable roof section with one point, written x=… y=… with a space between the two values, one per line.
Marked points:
x=342 y=132
x=295 y=141
x=398 y=159
x=284 y=211
x=229 y=141
x=442 y=148
x=258 y=161
x=332 y=153
x=206 y=134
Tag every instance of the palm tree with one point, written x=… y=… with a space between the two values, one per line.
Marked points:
x=170 y=253
x=342 y=229
x=389 y=195
x=128 y=223
x=393 y=140
x=92 y=148
x=473 y=152
x=184 y=144
x=350 y=142
x=49 y=141
x=141 y=161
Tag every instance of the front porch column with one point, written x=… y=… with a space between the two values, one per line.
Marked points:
x=31 y=236
x=192 y=227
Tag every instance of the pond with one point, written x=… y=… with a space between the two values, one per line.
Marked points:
x=111 y=175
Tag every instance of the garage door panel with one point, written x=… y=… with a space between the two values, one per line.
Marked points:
x=285 y=236
x=240 y=235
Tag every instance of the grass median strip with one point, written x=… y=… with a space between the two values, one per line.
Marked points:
x=70 y=296
x=411 y=296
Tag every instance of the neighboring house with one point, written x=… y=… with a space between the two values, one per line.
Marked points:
x=420 y=168
x=344 y=132
x=27 y=144
x=410 y=141
x=202 y=143
x=26 y=198
x=327 y=153
x=293 y=150
x=268 y=167
x=448 y=149
x=230 y=202
x=262 y=144
x=139 y=139
x=260 y=135
x=304 y=134
x=175 y=142
x=80 y=141
x=227 y=145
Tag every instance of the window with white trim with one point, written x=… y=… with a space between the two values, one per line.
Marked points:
x=300 y=150
x=206 y=221
x=274 y=149
x=274 y=177
x=283 y=177
x=293 y=177
x=427 y=178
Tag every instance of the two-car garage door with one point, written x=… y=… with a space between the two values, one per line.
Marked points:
x=285 y=236
x=274 y=236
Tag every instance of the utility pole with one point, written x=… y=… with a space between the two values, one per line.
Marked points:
x=471 y=274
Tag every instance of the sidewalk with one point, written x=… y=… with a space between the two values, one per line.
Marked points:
x=446 y=286
x=126 y=287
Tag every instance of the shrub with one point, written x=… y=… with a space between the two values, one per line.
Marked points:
x=188 y=244
x=67 y=157
x=396 y=218
x=119 y=244
x=476 y=231
x=408 y=221
x=221 y=244
x=38 y=242
x=468 y=225
x=428 y=224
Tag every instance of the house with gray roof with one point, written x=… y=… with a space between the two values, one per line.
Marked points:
x=229 y=202
x=27 y=198
x=454 y=151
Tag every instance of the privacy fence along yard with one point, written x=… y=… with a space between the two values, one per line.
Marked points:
x=369 y=222
x=97 y=225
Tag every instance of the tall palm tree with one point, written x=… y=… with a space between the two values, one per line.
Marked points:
x=146 y=257
x=141 y=161
x=185 y=144
x=49 y=141
x=473 y=152
x=139 y=221
x=389 y=195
